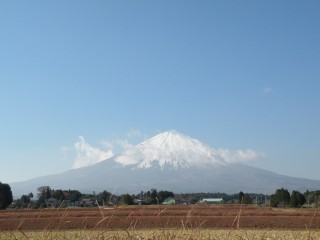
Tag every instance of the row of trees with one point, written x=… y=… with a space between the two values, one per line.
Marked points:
x=312 y=197
x=283 y=198
x=45 y=192
x=280 y=198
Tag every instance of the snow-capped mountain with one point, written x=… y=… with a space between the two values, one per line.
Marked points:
x=176 y=150
x=170 y=161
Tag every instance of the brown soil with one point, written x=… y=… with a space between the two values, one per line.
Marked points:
x=145 y=217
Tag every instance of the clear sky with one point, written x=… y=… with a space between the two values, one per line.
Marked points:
x=80 y=78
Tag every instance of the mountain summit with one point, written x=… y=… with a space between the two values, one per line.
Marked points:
x=174 y=149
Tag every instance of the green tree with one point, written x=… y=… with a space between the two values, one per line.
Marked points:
x=240 y=197
x=147 y=197
x=30 y=195
x=44 y=192
x=297 y=199
x=154 y=196
x=280 y=198
x=126 y=199
x=247 y=199
x=24 y=201
x=74 y=195
x=244 y=198
x=162 y=195
x=104 y=197
x=5 y=195
x=57 y=194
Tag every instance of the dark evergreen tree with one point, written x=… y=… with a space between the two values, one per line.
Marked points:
x=44 y=192
x=162 y=195
x=280 y=198
x=154 y=196
x=57 y=194
x=24 y=201
x=247 y=199
x=30 y=195
x=240 y=197
x=5 y=195
x=126 y=199
x=147 y=197
x=104 y=197
x=297 y=199
x=74 y=195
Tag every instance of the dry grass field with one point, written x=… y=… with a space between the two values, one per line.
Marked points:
x=161 y=222
x=165 y=234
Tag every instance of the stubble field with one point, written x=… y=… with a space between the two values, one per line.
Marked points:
x=162 y=222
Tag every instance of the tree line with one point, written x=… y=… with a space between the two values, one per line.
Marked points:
x=103 y=198
x=281 y=197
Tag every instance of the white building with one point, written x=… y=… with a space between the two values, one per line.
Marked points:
x=211 y=200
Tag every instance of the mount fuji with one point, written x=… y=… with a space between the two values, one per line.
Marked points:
x=170 y=161
x=172 y=150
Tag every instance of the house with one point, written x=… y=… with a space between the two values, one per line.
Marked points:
x=211 y=200
x=52 y=203
x=169 y=201
x=86 y=202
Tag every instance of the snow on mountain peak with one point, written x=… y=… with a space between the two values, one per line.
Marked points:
x=176 y=150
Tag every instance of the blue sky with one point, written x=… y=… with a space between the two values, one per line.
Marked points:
x=90 y=76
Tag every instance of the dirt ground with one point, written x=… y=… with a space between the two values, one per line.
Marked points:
x=152 y=217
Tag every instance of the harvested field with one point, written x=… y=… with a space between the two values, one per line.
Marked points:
x=161 y=217
x=165 y=234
